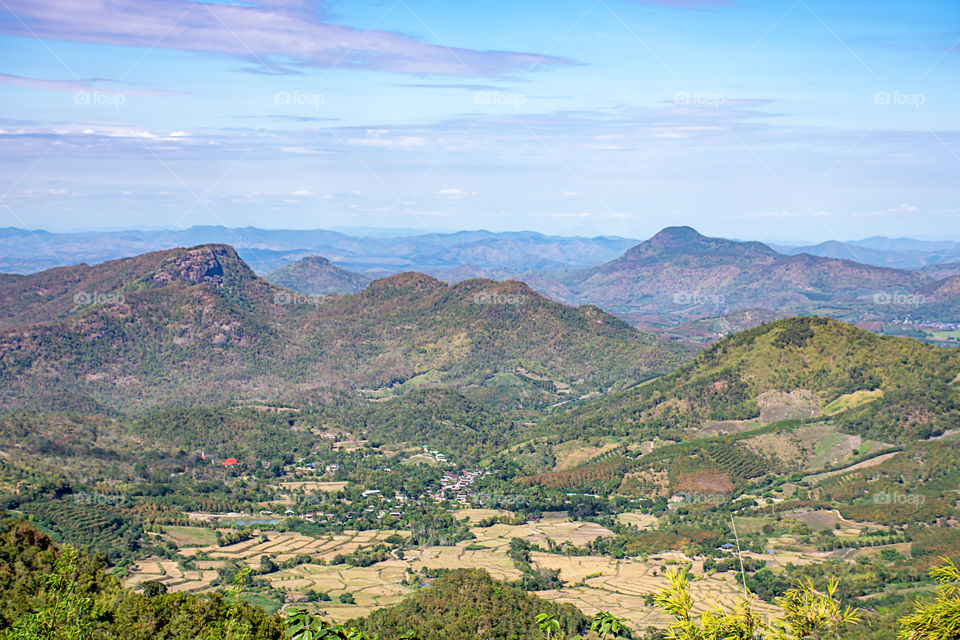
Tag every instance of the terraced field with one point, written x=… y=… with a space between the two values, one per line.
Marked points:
x=621 y=586
x=173 y=576
x=593 y=582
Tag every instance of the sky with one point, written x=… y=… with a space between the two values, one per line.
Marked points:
x=801 y=120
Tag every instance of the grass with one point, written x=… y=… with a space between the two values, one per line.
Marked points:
x=266 y=603
x=852 y=401
x=945 y=335
x=747 y=525
x=825 y=449
x=190 y=536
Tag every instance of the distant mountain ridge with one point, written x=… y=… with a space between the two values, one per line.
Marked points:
x=24 y=251
x=898 y=253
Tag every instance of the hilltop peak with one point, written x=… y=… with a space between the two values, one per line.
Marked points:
x=315 y=275
x=681 y=234
x=408 y=281
x=675 y=241
x=214 y=264
x=318 y=261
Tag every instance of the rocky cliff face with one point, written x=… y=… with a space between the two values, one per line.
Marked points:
x=212 y=264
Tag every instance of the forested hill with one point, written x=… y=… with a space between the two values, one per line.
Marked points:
x=196 y=325
x=888 y=388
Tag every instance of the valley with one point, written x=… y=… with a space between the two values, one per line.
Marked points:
x=344 y=457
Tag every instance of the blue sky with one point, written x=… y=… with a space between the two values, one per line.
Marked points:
x=775 y=120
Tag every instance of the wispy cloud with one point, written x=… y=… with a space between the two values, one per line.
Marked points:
x=77 y=86
x=273 y=36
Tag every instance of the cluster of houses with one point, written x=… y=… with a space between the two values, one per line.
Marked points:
x=436 y=455
x=457 y=486
x=395 y=509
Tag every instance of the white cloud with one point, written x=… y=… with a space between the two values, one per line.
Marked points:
x=454 y=193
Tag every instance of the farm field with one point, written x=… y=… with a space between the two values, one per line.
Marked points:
x=593 y=583
x=621 y=586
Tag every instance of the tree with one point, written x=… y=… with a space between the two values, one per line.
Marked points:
x=550 y=627
x=940 y=619
x=609 y=627
x=300 y=625
x=64 y=612
x=806 y=614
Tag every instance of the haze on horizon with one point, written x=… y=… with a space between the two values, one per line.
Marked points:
x=803 y=120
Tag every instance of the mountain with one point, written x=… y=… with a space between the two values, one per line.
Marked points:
x=906 y=388
x=897 y=253
x=942 y=270
x=710 y=329
x=24 y=251
x=197 y=325
x=850 y=251
x=795 y=396
x=680 y=274
x=317 y=276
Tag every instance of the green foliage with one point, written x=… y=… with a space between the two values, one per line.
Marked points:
x=466 y=604
x=65 y=611
x=197 y=326
x=828 y=357
x=805 y=613
x=940 y=619
x=609 y=627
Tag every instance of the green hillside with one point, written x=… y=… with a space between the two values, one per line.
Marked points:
x=824 y=357
x=467 y=603
x=196 y=326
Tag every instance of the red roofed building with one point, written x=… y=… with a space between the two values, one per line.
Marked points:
x=229 y=462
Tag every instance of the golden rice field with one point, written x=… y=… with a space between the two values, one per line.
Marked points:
x=593 y=582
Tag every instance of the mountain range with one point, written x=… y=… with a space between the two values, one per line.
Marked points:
x=898 y=253
x=200 y=319
x=675 y=278
x=25 y=251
